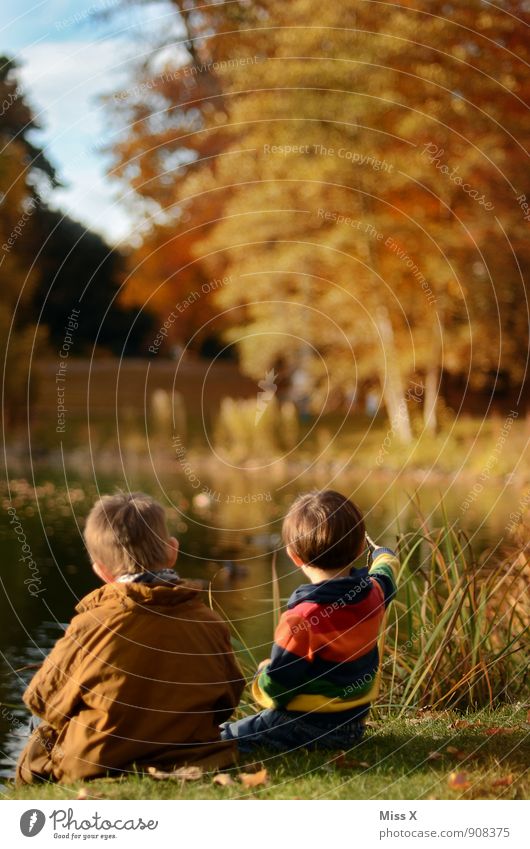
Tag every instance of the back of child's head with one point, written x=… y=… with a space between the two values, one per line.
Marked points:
x=127 y=534
x=324 y=529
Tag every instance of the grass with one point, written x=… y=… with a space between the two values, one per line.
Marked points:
x=458 y=634
x=469 y=444
x=400 y=758
x=457 y=638
x=464 y=444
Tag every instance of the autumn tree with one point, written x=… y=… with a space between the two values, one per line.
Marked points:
x=354 y=173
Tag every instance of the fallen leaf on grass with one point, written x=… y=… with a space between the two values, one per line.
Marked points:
x=528 y=716
x=434 y=756
x=254 y=779
x=84 y=794
x=460 y=754
x=504 y=781
x=459 y=781
x=185 y=773
x=223 y=778
x=498 y=730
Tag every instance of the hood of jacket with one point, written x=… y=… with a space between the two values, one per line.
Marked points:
x=129 y=594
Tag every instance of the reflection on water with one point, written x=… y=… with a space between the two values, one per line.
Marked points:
x=19 y=662
x=226 y=536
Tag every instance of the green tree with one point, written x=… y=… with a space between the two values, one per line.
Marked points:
x=77 y=268
x=23 y=168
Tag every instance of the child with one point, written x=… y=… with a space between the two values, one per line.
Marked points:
x=145 y=671
x=324 y=669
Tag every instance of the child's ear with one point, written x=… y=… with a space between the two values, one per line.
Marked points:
x=294 y=557
x=173 y=550
x=102 y=573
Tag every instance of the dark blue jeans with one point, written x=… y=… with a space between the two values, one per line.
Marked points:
x=285 y=731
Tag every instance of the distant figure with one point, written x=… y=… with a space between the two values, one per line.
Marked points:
x=267 y=391
x=371 y=403
x=168 y=413
x=176 y=352
x=145 y=672
x=300 y=393
x=324 y=668
x=161 y=409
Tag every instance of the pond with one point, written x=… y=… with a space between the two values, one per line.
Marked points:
x=227 y=528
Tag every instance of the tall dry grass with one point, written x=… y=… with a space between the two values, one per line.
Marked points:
x=458 y=633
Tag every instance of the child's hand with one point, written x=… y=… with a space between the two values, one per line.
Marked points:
x=370 y=543
x=261 y=666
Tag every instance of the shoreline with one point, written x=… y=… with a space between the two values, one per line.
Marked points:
x=211 y=465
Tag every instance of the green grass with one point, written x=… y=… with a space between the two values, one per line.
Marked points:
x=466 y=443
x=394 y=761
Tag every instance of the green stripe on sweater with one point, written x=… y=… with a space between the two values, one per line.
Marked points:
x=317 y=687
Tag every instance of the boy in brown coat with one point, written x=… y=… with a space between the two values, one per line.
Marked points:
x=145 y=672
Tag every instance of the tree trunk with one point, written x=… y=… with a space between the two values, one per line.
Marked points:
x=391 y=383
x=389 y=373
x=430 y=398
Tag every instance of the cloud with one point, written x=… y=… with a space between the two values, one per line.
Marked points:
x=71 y=54
x=65 y=82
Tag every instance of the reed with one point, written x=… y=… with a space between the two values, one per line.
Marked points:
x=458 y=631
x=245 y=432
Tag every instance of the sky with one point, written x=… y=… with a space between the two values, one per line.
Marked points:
x=70 y=54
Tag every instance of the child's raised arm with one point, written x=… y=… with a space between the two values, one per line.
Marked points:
x=383 y=568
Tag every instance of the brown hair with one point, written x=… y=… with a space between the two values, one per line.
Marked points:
x=127 y=533
x=324 y=529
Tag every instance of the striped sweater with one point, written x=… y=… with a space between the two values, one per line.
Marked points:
x=325 y=656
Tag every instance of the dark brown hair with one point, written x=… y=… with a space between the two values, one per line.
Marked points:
x=324 y=529
x=127 y=533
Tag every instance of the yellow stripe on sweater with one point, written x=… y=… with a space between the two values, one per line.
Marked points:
x=310 y=702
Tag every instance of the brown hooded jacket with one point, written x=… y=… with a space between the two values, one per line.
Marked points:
x=144 y=675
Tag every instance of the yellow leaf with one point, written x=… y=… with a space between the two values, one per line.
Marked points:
x=185 y=773
x=223 y=778
x=460 y=754
x=459 y=781
x=254 y=779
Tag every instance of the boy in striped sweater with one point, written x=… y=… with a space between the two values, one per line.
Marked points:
x=324 y=668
